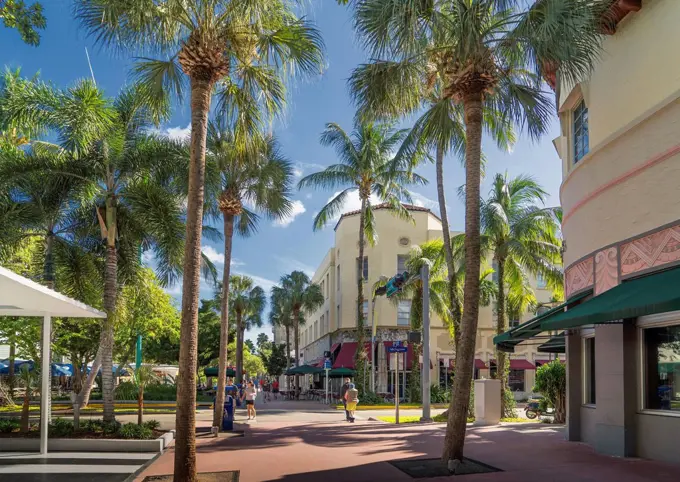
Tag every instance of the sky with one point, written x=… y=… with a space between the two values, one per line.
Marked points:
x=278 y=247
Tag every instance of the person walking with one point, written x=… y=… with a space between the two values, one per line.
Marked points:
x=343 y=393
x=351 y=400
x=250 y=394
x=275 y=389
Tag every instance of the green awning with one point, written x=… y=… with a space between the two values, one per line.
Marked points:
x=513 y=337
x=212 y=372
x=304 y=370
x=655 y=293
x=557 y=344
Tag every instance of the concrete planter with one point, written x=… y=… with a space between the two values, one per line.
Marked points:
x=88 y=444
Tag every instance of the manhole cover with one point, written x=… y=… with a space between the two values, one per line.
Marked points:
x=426 y=468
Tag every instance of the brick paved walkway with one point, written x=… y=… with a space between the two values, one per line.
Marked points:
x=338 y=451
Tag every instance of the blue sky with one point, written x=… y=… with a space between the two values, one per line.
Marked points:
x=278 y=248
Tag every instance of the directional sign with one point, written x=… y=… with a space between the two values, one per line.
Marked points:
x=327 y=364
x=397 y=347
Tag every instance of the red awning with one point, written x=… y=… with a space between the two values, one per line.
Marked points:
x=521 y=365
x=479 y=364
x=334 y=347
x=345 y=358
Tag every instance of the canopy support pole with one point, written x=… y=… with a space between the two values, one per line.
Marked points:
x=45 y=378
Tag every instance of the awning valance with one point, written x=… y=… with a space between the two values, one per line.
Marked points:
x=651 y=294
x=511 y=338
x=556 y=344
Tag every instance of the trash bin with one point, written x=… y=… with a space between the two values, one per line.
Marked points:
x=228 y=415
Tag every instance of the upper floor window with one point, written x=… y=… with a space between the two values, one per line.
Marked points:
x=365 y=270
x=401 y=263
x=404 y=313
x=328 y=284
x=365 y=310
x=337 y=270
x=580 y=130
x=541 y=282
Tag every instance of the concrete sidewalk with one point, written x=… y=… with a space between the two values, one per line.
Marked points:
x=330 y=452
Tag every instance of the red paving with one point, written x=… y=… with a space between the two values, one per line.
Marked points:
x=341 y=452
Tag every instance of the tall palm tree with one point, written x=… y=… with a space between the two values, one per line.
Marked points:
x=493 y=56
x=280 y=315
x=302 y=297
x=223 y=44
x=247 y=303
x=523 y=237
x=368 y=164
x=130 y=175
x=251 y=171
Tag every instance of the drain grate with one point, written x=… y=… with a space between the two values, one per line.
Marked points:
x=426 y=468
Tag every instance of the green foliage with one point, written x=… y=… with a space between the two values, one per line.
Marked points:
x=439 y=394
x=509 y=404
x=152 y=424
x=551 y=382
x=152 y=391
x=61 y=427
x=250 y=345
x=275 y=362
x=26 y=19
x=9 y=425
x=134 y=431
x=370 y=398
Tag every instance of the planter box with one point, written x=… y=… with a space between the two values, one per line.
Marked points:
x=87 y=444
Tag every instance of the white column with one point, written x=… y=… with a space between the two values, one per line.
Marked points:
x=45 y=377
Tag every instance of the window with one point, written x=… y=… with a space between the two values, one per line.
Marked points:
x=662 y=368
x=580 y=130
x=323 y=288
x=401 y=263
x=365 y=310
x=337 y=320
x=541 y=282
x=516 y=380
x=316 y=328
x=328 y=322
x=337 y=270
x=328 y=284
x=404 y=313
x=589 y=370
x=365 y=267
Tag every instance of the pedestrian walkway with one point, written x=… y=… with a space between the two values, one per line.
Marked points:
x=70 y=466
x=338 y=451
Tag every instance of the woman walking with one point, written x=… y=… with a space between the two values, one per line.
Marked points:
x=250 y=394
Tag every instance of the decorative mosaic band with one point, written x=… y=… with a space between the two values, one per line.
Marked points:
x=605 y=268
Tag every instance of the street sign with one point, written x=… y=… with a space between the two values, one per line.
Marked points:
x=327 y=364
x=397 y=347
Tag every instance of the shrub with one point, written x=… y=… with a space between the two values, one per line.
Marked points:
x=152 y=424
x=439 y=394
x=134 y=431
x=551 y=382
x=126 y=391
x=60 y=427
x=110 y=428
x=91 y=426
x=9 y=425
x=370 y=398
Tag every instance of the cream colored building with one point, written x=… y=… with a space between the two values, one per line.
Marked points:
x=333 y=326
x=620 y=151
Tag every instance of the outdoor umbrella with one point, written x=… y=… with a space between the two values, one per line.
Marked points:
x=212 y=372
x=341 y=372
x=304 y=370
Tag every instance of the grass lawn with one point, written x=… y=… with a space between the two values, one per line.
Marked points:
x=17 y=408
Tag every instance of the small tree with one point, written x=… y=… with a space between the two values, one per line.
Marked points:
x=30 y=380
x=143 y=377
x=276 y=363
x=551 y=381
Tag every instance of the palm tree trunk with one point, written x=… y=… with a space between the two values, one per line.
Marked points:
x=224 y=321
x=84 y=397
x=361 y=334
x=297 y=351
x=140 y=405
x=185 y=446
x=25 y=411
x=106 y=336
x=454 y=441
x=239 y=348
x=501 y=368
x=446 y=233
x=287 y=355
x=12 y=356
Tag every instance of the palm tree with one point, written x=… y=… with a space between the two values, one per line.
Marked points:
x=302 y=297
x=143 y=377
x=367 y=165
x=130 y=177
x=524 y=240
x=492 y=56
x=247 y=303
x=240 y=47
x=251 y=171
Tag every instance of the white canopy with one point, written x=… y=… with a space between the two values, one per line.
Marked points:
x=20 y=296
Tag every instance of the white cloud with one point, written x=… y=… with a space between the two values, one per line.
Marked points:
x=297 y=209
x=308 y=195
x=290 y=264
x=178 y=133
x=352 y=203
x=213 y=255
x=235 y=263
x=297 y=172
x=422 y=201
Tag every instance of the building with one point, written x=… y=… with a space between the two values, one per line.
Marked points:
x=333 y=326
x=620 y=151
